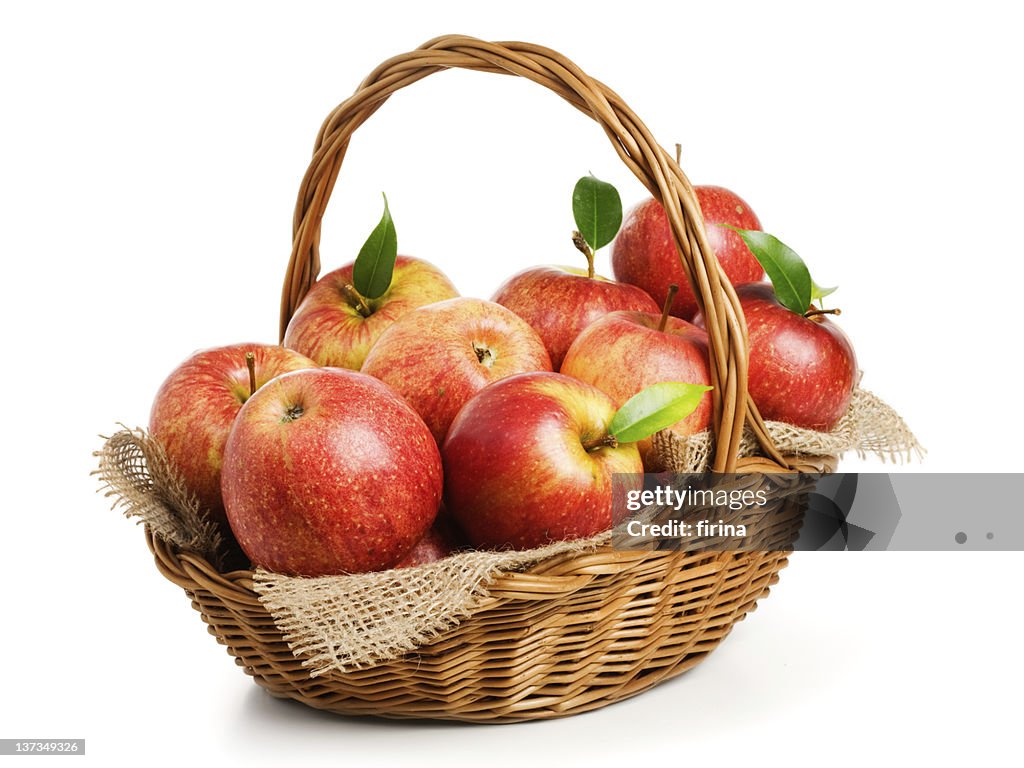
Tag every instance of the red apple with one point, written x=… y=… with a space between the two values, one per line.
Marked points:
x=439 y=542
x=197 y=404
x=330 y=327
x=625 y=352
x=437 y=357
x=559 y=302
x=802 y=369
x=528 y=461
x=644 y=253
x=328 y=471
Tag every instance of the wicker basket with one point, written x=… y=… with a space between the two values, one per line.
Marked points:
x=572 y=633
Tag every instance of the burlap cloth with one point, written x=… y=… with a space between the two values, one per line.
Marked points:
x=353 y=621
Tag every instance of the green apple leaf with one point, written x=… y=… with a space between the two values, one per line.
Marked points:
x=375 y=264
x=653 y=409
x=597 y=208
x=786 y=270
x=817 y=292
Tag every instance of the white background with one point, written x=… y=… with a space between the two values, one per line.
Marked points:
x=148 y=165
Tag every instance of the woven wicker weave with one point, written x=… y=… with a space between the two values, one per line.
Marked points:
x=572 y=633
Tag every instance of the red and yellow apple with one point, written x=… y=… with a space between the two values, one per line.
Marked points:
x=336 y=328
x=644 y=253
x=328 y=471
x=529 y=460
x=802 y=369
x=625 y=352
x=559 y=302
x=197 y=404
x=437 y=357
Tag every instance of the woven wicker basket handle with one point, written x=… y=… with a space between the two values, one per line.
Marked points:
x=651 y=164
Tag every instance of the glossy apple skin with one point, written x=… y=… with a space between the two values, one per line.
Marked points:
x=328 y=471
x=197 y=404
x=624 y=352
x=644 y=253
x=802 y=370
x=559 y=302
x=327 y=328
x=516 y=472
x=437 y=357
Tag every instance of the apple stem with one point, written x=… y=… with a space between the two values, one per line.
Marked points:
x=672 y=291
x=679 y=154
x=250 y=363
x=606 y=441
x=581 y=245
x=292 y=413
x=814 y=312
x=484 y=355
x=356 y=299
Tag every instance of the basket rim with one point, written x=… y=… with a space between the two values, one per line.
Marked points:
x=551 y=578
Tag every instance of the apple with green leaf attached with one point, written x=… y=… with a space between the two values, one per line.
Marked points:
x=198 y=402
x=530 y=459
x=348 y=309
x=559 y=302
x=625 y=352
x=437 y=357
x=802 y=367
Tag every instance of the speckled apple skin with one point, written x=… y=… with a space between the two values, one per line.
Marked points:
x=516 y=472
x=328 y=329
x=197 y=404
x=429 y=358
x=624 y=352
x=559 y=302
x=644 y=253
x=802 y=370
x=348 y=486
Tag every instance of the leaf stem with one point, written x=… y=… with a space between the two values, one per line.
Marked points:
x=672 y=291
x=250 y=363
x=814 y=312
x=605 y=441
x=581 y=245
x=356 y=299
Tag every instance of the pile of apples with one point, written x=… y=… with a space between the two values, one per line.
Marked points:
x=399 y=422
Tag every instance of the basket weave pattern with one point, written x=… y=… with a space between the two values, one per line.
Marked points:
x=572 y=633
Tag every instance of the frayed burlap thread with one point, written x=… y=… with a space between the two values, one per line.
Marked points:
x=869 y=427
x=350 y=622
x=340 y=622
x=134 y=469
x=354 y=621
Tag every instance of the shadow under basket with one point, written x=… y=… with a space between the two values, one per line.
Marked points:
x=571 y=634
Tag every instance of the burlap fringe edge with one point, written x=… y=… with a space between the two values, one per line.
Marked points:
x=351 y=622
